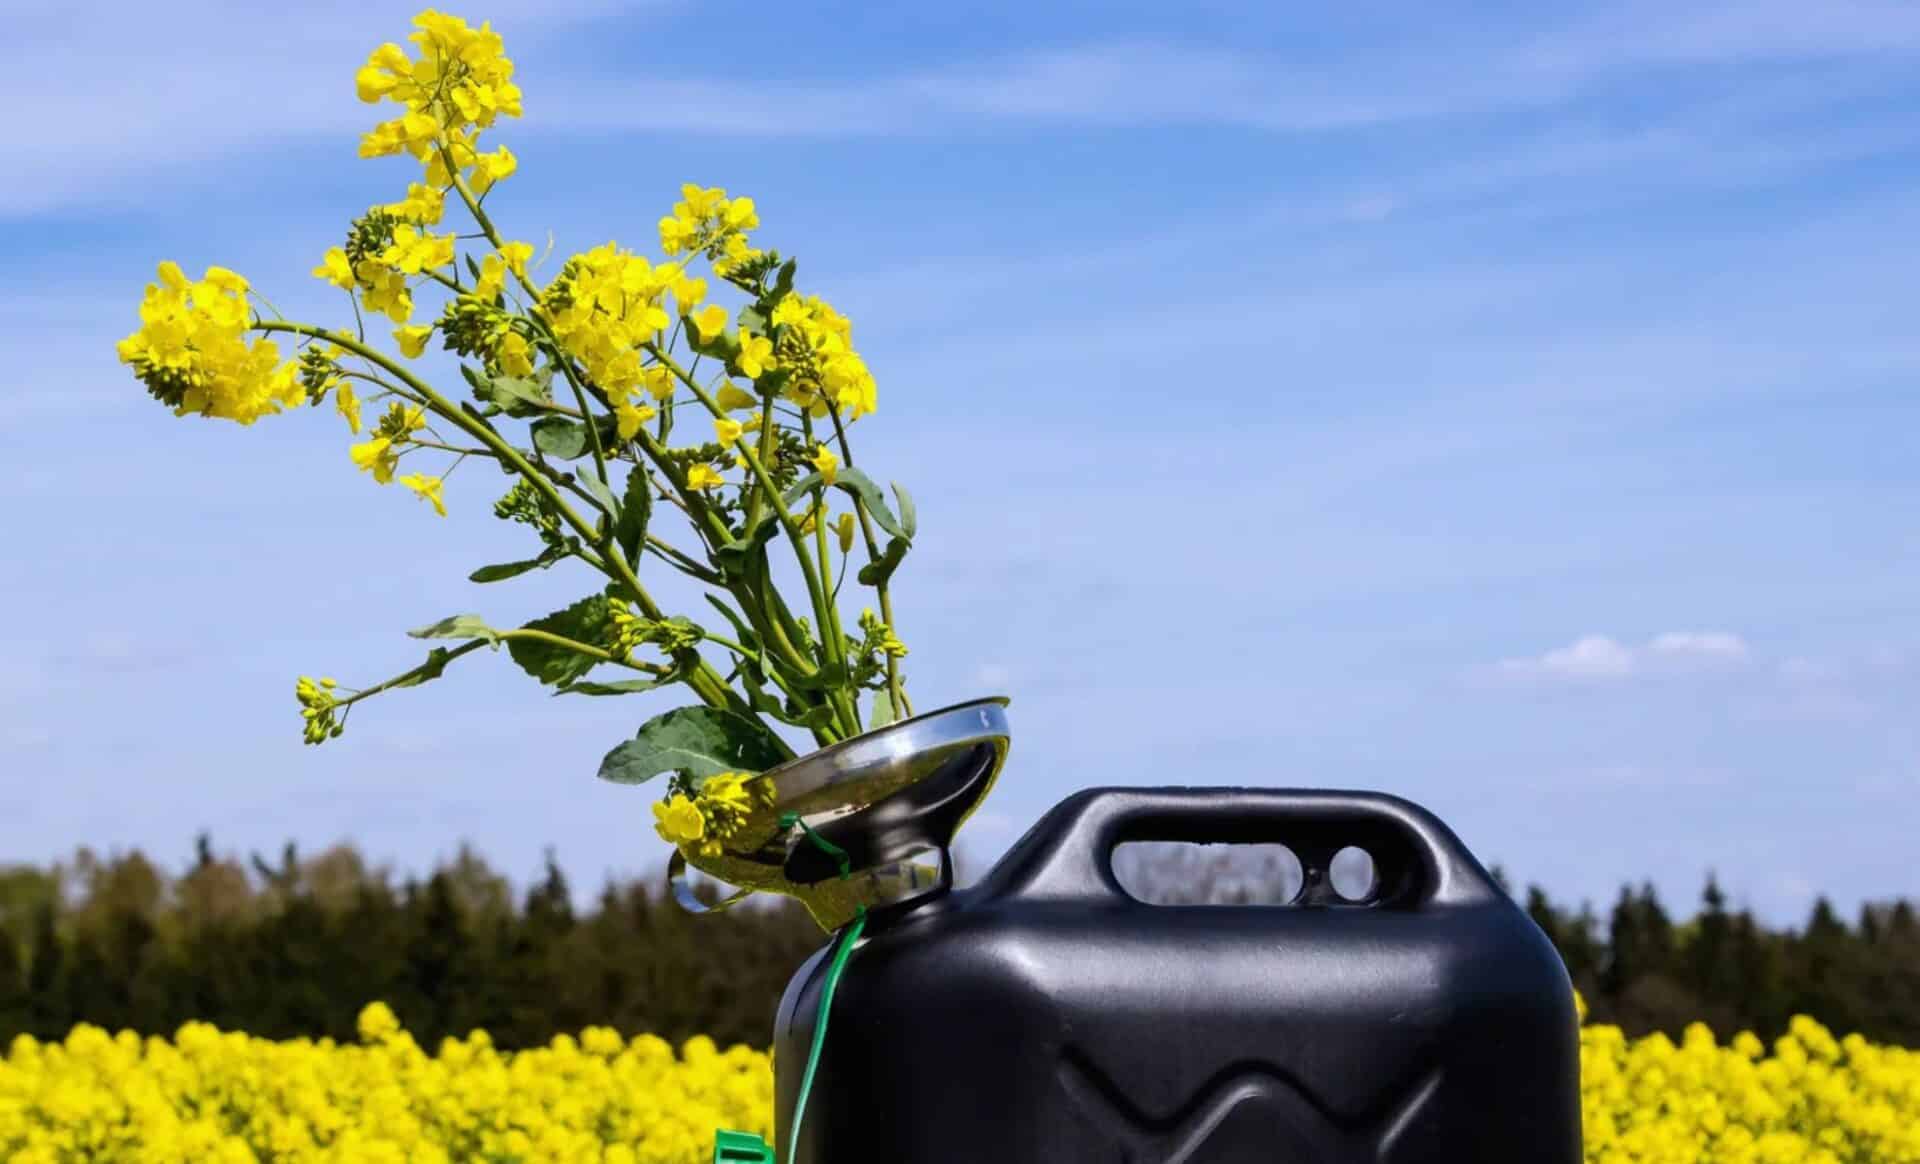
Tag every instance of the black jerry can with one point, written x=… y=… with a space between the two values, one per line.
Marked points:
x=1046 y=1017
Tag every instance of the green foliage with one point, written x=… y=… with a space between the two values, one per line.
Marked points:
x=736 y=561
x=556 y=436
x=636 y=510
x=860 y=485
x=696 y=742
x=506 y=570
x=458 y=626
x=909 y=516
x=877 y=573
x=295 y=947
x=553 y=664
x=433 y=667
x=300 y=952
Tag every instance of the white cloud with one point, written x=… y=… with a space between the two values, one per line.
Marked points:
x=169 y=88
x=993 y=676
x=1592 y=656
x=1598 y=657
x=159 y=95
x=1708 y=644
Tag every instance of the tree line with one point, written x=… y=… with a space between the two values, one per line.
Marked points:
x=295 y=946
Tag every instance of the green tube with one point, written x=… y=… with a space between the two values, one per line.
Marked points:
x=841 y=954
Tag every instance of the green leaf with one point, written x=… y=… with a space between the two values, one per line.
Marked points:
x=698 y=742
x=506 y=570
x=741 y=630
x=590 y=481
x=733 y=560
x=458 y=626
x=783 y=282
x=618 y=687
x=827 y=678
x=559 y=437
x=636 y=509
x=584 y=622
x=433 y=668
x=753 y=319
x=820 y=716
x=518 y=396
x=877 y=573
x=909 y=518
x=882 y=711
x=485 y=416
x=860 y=485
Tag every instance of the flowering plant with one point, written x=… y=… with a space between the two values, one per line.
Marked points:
x=582 y=387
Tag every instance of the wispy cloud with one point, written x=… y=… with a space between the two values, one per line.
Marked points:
x=143 y=89
x=1138 y=82
x=1600 y=657
x=168 y=91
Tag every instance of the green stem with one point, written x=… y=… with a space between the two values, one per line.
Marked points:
x=527 y=634
x=834 y=650
x=706 y=682
x=404 y=676
x=902 y=705
x=682 y=563
x=833 y=627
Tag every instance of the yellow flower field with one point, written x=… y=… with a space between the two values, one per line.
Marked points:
x=219 y=1096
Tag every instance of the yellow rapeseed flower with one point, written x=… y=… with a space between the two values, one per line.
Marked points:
x=756 y=355
x=335 y=269
x=732 y=398
x=193 y=354
x=218 y=1096
x=828 y=464
x=711 y=320
x=678 y=821
x=517 y=255
x=412 y=340
x=629 y=417
x=376 y=456
x=428 y=489
x=513 y=355
x=348 y=405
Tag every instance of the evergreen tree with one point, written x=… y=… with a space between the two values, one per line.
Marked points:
x=1583 y=950
x=13 y=986
x=1544 y=915
x=1709 y=957
x=48 y=1013
x=1625 y=945
x=440 y=962
x=297 y=947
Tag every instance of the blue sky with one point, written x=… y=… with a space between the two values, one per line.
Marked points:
x=1508 y=406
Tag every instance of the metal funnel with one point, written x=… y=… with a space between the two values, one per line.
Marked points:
x=890 y=799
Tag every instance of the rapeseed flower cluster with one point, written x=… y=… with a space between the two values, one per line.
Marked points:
x=458 y=85
x=228 y=1098
x=208 y=1095
x=192 y=353
x=703 y=821
x=1809 y=1099
x=606 y=305
x=593 y=384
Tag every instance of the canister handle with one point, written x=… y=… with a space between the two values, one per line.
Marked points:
x=1419 y=860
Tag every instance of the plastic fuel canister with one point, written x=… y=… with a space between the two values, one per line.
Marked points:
x=1044 y=1016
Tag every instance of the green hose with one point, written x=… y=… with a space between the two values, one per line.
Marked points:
x=841 y=954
